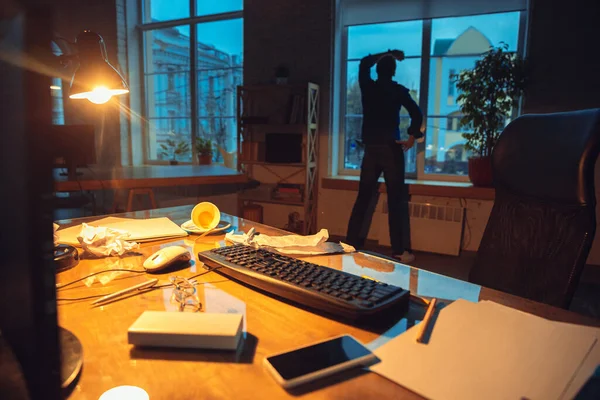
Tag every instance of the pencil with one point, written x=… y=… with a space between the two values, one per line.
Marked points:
x=142 y=285
x=425 y=322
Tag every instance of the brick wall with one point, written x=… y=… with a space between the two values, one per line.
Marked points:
x=295 y=33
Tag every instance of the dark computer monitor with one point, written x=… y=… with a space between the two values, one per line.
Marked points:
x=28 y=316
x=73 y=146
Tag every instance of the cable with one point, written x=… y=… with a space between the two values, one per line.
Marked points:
x=143 y=290
x=63 y=285
x=204 y=273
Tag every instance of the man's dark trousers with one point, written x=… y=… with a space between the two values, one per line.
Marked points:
x=388 y=159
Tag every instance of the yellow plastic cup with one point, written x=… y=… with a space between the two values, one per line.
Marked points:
x=206 y=216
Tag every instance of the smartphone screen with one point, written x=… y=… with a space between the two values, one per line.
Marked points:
x=317 y=357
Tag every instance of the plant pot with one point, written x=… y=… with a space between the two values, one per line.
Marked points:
x=480 y=171
x=173 y=162
x=204 y=159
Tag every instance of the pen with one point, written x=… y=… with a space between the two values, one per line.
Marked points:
x=142 y=285
x=425 y=322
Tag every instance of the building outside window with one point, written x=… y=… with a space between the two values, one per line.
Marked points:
x=193 y=62
x=453 y=44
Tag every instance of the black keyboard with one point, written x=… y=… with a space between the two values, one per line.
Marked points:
x=315 y=286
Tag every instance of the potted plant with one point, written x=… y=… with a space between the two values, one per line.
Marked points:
x=174 y=148
x=488 y=94
x=204 y=150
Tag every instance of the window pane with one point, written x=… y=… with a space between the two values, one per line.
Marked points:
x=165 y=10
x=220 y=67
x=452 y=37
x=376 y=38
x=444 y=147
x=353 y=151
x=208 y=7
x=58 y=112
x=474 y=34
x=442 y=88
x=408 y=73
x=168 y=101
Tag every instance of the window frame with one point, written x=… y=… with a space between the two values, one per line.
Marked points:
x=192 y=21
x=340 y=113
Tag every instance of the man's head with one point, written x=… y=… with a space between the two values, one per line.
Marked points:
x=386 y=67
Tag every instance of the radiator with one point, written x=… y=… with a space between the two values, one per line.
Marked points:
x=434 y=228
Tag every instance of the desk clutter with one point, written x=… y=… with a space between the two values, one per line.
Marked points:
x=461 y=350
x=488 y=351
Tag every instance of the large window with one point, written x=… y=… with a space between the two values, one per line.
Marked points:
x=452 y=44
x=370 y=39
x=192 y=65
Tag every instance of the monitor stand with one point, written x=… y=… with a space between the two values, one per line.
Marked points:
x=71 y=357
x=71 y=351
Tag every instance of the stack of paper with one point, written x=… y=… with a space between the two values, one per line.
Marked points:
x=489 y=351
x=140 y=230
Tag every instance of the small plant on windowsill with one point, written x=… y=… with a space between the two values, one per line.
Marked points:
x=488 y=94
x=205 y=151
x=175 y=149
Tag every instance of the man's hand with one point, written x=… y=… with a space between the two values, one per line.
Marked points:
x=407 y=144
x=397 y=54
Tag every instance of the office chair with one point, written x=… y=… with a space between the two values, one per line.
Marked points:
x=543 y=222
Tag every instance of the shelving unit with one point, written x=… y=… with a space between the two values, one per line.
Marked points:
x=282 y=109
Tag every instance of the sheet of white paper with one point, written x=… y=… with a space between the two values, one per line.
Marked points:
x=477 y=352
x=588 y=366
x=147 y=229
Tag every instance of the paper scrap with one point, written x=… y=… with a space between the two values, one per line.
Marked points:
x=293 y=244
x=102 y=241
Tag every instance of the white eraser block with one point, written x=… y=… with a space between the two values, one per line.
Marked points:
x=186 y=329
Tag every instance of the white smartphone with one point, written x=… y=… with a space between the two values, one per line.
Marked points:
x=306 y=364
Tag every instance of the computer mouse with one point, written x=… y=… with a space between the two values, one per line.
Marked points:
x=166 y=257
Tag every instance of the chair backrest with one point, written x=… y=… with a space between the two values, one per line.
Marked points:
x=543 y=222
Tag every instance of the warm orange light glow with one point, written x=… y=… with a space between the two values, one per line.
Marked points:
x=99 y=95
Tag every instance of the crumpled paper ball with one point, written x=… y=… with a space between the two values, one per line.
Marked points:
x=101 y=241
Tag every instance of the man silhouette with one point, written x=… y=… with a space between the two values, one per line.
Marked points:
x=384 y=152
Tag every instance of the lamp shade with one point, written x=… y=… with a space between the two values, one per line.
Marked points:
x=95 y=78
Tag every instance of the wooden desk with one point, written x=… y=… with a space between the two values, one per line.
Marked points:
x=272 y=326
x=147 y=176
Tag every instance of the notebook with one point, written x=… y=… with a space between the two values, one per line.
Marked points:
x=486 y=350
x=140 y=230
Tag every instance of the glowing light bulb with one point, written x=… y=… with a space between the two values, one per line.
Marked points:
x=99 y=95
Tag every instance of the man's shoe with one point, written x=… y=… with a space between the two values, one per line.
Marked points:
x=405 y=258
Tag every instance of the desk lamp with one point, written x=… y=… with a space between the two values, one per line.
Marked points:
x=95 y=78
x=98 y=81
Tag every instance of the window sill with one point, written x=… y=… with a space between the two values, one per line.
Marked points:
x=464 y=190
